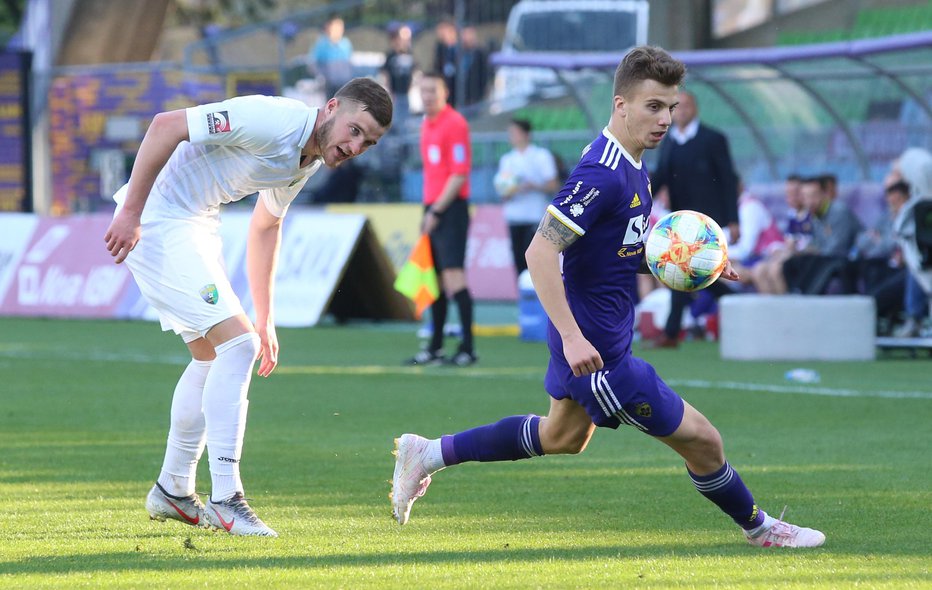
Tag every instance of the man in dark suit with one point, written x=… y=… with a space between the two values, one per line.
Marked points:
x=696 y=169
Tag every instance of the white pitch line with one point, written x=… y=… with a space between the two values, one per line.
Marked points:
x=803 y=389
x=535 y=373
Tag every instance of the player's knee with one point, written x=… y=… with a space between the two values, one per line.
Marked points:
x=709 y=440
x=244 y=348
x=568 y=442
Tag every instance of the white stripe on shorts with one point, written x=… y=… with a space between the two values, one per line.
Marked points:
x=594 y=384
x=627 y=419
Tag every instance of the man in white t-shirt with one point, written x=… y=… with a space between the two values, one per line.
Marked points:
x=166 y=228
x=526 y=180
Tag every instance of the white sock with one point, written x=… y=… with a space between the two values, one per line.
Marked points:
x=225 y=412
x=764 y=526
x=433 y=456
x=186 y=433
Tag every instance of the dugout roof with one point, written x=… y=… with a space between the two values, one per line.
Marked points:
x=860 y=102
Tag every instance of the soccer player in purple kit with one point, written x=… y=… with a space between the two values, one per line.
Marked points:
x=597 y=222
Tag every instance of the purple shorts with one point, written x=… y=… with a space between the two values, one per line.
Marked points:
x=628 y=392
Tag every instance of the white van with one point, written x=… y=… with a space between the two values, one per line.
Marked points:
x=565 y=26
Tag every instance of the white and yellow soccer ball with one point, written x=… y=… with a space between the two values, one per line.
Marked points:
x=504 y=182
x=686 y=250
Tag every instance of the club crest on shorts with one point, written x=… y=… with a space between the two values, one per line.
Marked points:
x=209 y=294
x=643 y=410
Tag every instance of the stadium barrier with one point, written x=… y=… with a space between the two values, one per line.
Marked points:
x=490 y=270
x=59 y=267
x=342 y=260
x=797 y=327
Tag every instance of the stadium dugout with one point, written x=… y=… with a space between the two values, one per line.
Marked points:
x=776 y=102
x=847 y=107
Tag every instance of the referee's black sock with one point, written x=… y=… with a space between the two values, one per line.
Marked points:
x=464 y=305
x=438 y=317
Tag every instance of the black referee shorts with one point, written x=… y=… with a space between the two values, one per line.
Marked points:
x=448 y=240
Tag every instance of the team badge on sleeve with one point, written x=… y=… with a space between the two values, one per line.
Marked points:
x=218 y=122
x=459 y=153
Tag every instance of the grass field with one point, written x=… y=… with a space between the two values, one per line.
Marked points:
x=84 y=416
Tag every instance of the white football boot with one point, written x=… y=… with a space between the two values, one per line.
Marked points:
x=236 y=517
x=784 y=534
x=188 y=509
x=411 y=478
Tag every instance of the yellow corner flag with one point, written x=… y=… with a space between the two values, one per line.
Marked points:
x=417 y=279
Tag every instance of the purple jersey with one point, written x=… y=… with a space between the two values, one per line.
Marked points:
x=799 y=228
x=606 y=201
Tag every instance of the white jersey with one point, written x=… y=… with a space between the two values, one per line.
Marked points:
x=535 y=164
x=236 y=147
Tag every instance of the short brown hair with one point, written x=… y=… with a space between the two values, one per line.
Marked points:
x=647 y=63
x=371 y=97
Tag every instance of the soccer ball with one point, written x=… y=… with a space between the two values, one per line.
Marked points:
x=686 y=250
x=504 y=182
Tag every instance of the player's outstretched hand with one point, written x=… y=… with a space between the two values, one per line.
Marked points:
x=582 y=357
x=268 y=350
x=729 y=272
x=122 y=235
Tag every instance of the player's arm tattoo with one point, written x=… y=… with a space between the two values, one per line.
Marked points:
x=553 y=230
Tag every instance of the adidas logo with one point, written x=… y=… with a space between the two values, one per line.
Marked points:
x=635 y=202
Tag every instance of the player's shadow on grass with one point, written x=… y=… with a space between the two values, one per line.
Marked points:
x=130 y=561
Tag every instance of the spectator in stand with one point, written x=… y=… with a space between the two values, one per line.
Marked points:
x=760 y=236
x=914 y=166
x=696 y=168
x=446 y=57
x=447 y=159
x=834 y=230
x=526 y=181
x=829 y=185
x=878 y=265
x=767 y=275
x=330 y=56
x=475 y=66
x=398 y=72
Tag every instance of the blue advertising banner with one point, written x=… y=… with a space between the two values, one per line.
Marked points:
x=98 y=118
x=15 y=150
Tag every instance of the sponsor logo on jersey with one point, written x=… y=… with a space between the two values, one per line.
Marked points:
x=635 y=202
x=570 y=196
x=218 y=122
x=590 y=196
x=643 y=410
x=433 y=154
x=209 y=294
x=576 y=209
x=625 y=252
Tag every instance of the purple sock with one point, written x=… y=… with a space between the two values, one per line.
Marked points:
x=728 y=492
x=509 y=439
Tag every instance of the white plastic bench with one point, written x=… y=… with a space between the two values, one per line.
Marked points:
x=797 y=327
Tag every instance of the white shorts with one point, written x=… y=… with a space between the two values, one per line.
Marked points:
x=178 y=265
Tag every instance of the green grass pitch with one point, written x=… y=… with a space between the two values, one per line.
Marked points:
x=84 y=416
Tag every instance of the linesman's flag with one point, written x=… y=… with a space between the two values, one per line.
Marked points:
x=417 y=279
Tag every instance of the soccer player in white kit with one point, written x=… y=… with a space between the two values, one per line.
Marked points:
x=166 y=228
